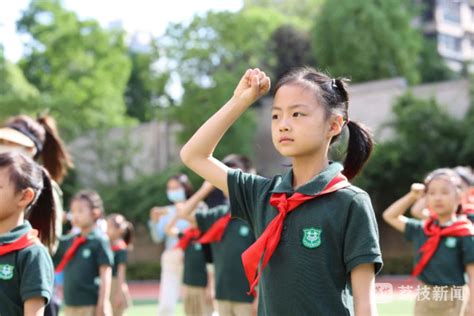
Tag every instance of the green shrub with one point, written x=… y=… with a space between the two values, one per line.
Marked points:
x=146 y=270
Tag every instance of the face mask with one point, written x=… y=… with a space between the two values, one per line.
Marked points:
x=176 y=195
x=12 y=148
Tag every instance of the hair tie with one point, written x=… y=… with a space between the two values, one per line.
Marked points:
x=334 y=85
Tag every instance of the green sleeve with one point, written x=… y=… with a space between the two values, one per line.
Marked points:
x=205 y=219
x=413 y=228
x=245 y=192
x=62 y=247
x=37 y=274
x=121 y=257
x=468 y=249
x=105 y=255
x=361 y=241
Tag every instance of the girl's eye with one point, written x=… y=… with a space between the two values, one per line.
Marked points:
x=274 y=116
x=297 y=114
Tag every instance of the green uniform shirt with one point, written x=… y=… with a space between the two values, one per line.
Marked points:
x=81 y=274
x=321 y=242
x=120 y=257
x=24 y=274
x=195 y=272
x=447 y=265
x=230 y=281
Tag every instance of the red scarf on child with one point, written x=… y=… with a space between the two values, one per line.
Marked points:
x=28 y=239
x=189 y=234
x=120 y=245
x=216 y=231
x=76 y=243
x=268 y=241
x=462 y=227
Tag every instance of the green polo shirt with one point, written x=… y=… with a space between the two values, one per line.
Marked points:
x=120 y=257
x=447 y=265
x=195 y=272
x=81 y=274
x=24 y=274
x=321 y=242
x=230 y=281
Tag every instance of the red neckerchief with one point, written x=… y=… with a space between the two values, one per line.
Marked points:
x=76 y=243
x=28 y=239
x=462 y=227
x=120 y=245
x=216 y=231
x=266 y=244
x=189 y=235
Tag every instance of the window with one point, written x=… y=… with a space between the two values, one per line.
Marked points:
x=451 y=10
x=449 y=42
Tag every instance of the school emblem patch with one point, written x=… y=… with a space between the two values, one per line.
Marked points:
x=86 y=253
x=244 y=231
x=311 y=237
x=450 y=242
x=197 y=246
x=6 y=271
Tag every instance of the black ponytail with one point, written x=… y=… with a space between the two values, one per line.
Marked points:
x=42 y=213
x=358 y=150
x=128 y=234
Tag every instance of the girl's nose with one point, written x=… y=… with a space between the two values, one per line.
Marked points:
x=284 y=125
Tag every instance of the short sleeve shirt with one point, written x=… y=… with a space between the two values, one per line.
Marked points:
x=447 y=266
x=81 y=274
x=230 y=281
x=120 y=257
x=24 y=274
x=321 y=242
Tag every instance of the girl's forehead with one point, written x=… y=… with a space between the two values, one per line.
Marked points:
x=441 y=181
x=295 y=94
x=173 y=183
x=80 y=203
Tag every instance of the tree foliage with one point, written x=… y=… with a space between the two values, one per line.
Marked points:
x=145 y=94
x=367 y=39
x=79 y=68
x=211 y=53
x=426 y=138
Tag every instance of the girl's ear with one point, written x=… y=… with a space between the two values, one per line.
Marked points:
x=336 y=125
x=27 y=196
x=96 y=213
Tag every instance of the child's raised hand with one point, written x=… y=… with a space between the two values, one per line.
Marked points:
x=157 y=212
x=207 y=187
x=417 y=190
x=253 y=84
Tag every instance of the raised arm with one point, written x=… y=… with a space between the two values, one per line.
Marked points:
x=419 y=210
x=197 y=152
x=393 y=215
x=185 y=209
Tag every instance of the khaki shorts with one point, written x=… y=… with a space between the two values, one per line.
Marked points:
x=195 y=303
x=230 y=308
x=79 y=310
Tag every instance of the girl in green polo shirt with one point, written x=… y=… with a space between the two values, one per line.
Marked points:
x=120 y=232
x=320 y=259
x=86 y=259
x=26 y=270
x=443 y=244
